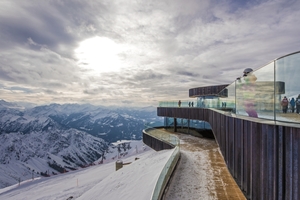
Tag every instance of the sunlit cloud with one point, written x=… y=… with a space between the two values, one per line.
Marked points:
x=136 y=52
x=99 y=54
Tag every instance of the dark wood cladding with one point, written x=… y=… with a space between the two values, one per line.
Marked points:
x=262 y=158
x=155 y=143
x=207 y=91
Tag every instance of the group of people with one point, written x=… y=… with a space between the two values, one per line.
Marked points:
x=293 y=104
x=223 y=104
x=191 y=104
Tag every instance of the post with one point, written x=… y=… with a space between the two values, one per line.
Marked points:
x=119 y=164
x=175 y=125
x=188 y=126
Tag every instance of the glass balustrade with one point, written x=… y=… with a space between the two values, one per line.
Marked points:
x=260 y=94
x=182 y=103
x=170 y=164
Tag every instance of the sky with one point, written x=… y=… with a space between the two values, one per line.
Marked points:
x=136 y=53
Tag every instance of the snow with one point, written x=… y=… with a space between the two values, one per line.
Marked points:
x=134 y=181
x=121 y=124
x=102 y=133
x=120 y=142
x=22 y=153
x=201 y=172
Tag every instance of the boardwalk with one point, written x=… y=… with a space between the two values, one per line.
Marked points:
x=201 y=173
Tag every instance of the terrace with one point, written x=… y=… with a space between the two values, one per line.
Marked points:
x=258 y=140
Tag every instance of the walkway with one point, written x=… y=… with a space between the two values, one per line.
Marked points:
x=201 y=172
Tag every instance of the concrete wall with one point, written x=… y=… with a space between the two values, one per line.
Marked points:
x=262 y=156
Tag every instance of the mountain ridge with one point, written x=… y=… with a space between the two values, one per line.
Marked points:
x=55 y=138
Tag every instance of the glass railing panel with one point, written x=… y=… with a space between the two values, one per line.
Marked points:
x=255 y=93
x=207 y=102
x=183 y=103
x=169 y=122
x=287 y=72
x=165 y=174
x=227 y=98
x=161 y=135
x=264 y=92
x=168 y=104
x=170 y=164
x=185 y=123
x=259 y=94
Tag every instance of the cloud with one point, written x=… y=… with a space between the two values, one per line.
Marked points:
x=166 y=47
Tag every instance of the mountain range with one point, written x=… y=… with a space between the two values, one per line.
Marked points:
x=50 y=139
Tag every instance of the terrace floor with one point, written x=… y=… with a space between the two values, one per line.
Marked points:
x=201 y=172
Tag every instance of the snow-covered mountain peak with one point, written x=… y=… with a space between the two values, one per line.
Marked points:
x=62 y=137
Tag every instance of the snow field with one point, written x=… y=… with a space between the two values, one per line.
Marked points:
x=134 y=181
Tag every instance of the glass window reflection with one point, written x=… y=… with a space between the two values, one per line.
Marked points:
x=287 y=73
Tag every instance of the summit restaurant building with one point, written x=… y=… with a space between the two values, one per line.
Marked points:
x=258 y=135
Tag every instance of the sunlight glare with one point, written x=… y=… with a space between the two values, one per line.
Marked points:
x=99 y=54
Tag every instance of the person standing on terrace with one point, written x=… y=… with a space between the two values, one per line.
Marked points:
x=179 y=103
x=292 y=102
x=298 y=104
x=284 y=104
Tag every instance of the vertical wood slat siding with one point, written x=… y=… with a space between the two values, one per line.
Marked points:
x=238 y=151
x=155 y=143
x=262 y=158
x=230 y=145
x=296 y=163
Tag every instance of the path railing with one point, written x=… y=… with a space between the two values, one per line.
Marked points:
x=169 y=167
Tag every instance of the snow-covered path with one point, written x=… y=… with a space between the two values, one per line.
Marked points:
x=201 y=172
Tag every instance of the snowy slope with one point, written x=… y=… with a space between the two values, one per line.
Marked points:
x=55 y=138
x=134 y=181
x=44 y=153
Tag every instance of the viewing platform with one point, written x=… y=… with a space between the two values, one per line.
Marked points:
x=257 y=133
x=201 y=172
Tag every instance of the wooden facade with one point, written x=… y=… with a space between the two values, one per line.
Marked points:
x=262 y=156
x=206 y=91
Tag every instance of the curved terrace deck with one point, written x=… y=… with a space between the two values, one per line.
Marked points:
x=201 y=172
x=262 y=155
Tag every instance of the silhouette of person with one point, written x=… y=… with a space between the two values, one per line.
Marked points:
x=248 y=92
x=298 y=104
x=292 y=102
x=284 y=104
x=179 y=103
